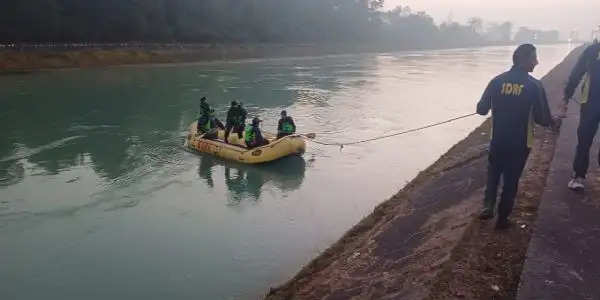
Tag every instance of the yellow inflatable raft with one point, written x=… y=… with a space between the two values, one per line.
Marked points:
x=236 y=149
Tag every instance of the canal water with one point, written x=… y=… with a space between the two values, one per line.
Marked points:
x=99 y=200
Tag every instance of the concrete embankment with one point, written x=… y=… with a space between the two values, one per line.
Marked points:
x=425 y=242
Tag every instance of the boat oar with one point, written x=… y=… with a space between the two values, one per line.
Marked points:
x=311 y=135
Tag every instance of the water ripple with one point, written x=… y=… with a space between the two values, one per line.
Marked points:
x=33 y=151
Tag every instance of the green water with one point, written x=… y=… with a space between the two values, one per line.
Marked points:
x=98 y=199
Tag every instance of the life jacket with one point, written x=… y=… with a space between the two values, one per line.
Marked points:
x=286 y=126
x=208 y=125
x=585 y=86
x=249 y=136
x=230 y=116
x=240 y=117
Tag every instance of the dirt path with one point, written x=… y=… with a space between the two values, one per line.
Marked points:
x=425 y=243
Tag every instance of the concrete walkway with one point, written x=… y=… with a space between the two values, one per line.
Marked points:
x=563 y=261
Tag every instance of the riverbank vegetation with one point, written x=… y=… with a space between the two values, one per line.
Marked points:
x=233 y=21
x=40 y=34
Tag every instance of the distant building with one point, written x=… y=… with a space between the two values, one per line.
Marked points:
x=574 y=36
x=596 y=34
x=499 y=32
x=526 y=35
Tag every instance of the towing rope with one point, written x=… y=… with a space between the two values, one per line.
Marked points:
x=341 y=145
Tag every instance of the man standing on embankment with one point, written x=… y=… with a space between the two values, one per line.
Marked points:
x=588 y=69
x=516 y=100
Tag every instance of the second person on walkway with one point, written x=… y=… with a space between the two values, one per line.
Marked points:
x=588 y=70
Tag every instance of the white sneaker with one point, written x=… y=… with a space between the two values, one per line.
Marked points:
x=576 y=184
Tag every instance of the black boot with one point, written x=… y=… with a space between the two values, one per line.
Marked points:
x=503 y=223
x=486 y=214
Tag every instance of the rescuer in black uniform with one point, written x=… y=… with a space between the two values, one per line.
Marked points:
x=516 y=100
x=231 y=123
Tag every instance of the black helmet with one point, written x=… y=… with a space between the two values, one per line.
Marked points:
x=283 y=113
x=202 y=99
x=256 y=121
x=234 y=103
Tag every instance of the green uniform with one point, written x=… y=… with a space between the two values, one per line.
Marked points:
x=285 y=127
x=250 y=136
x=254 y=137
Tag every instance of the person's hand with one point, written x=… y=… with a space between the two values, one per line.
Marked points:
x=556 y=123
x=562 y=109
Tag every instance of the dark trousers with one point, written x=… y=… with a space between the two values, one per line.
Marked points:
x=508 y=164
x=588 y=126
x=236 y=129
x=228 y=128
x=211 y=134
x=219 y=124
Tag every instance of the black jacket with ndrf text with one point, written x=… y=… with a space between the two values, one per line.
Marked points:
x=517 y=100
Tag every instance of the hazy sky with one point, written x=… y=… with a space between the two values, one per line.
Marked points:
x=564 y=15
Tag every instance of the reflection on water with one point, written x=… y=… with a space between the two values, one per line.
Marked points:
x=95 y=184
x=11 y=173
x=247 y=181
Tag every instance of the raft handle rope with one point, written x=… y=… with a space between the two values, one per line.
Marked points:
x=341 y=145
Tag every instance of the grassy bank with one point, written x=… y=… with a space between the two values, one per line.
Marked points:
x=34 y=58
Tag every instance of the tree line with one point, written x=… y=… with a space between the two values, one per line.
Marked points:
x=232 y=21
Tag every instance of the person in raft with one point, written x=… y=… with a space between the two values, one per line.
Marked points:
x=204 y=111
x=210 y=127
x=234 y=115
x=588 y=69
x=254 y=137
x=241 y=121
x=516 y=100
x=285 y=126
